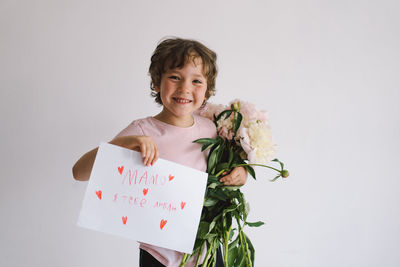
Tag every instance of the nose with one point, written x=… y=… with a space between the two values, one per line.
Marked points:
x=185 y=86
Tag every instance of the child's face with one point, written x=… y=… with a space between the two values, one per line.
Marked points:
x=183 y=90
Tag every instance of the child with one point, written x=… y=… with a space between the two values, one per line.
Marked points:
x=183 y=76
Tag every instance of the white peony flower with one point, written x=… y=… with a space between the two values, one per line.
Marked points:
x=256 y=141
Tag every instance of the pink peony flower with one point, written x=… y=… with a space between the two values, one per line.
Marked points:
x=253 y=135
x=211 y=109
x=225 y=133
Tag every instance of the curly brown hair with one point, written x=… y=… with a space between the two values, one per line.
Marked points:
x=173 y=53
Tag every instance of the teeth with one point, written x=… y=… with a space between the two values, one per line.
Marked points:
x=180 y=100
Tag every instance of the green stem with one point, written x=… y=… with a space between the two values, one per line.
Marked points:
x=233 y=123
x=183 y=262
x=199 y=255
x=256 y=165
x=226 y=241
x=222 y=171
x=247 y=164
x=245 y=248
x=212 y=259
x=241 y=242
x=207 y=255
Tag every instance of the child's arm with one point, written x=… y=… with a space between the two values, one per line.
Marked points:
x=144 y=144
x=238 y=176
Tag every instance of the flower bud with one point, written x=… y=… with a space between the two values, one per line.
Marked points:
x=285 y=173
x=235 y=106
x=243 y=155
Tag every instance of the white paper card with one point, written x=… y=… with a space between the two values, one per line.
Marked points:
x=159 y=205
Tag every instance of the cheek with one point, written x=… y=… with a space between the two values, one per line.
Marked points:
x=201 y=92
x=166 y=89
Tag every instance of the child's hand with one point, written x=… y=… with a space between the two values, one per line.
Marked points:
x=143 y=144
x=238 y=176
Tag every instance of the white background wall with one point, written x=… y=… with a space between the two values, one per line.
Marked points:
x=74 y=73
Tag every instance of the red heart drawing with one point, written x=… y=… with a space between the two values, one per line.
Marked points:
x=98 y=193
x=124 y=219
x=171 y=177
x=183 y=204
x=162 y=223
x=145 y=191
x=120 y=169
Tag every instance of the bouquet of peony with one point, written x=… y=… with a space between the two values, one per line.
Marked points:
x=244 y=139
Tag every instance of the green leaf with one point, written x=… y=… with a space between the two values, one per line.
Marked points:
x=197 y=244
x=208 y=202
x=228 y=218
x=223 y=113
x=213 y=185
x=232 y=187
x=234 y=243
x=206 y=146
x=234 y=194
x=219 y=194
x=241 y=258
x=230 y=156
x=212 y=225
x=228 y=114
x=241 y=206
x=203 y=228
x=212 y=160
x=211 y=237
x=205 y=141
x=254 y=224
x=222 y=166
x=251 y=171
x=251 y=248
x=216 y=218
x=232 y=233
x=280 y=163
x=238 y=121
x=221 y=150
x=232 y=256
x=247 y=210
x=220 y=139
x=212 y=179
x=276 y=177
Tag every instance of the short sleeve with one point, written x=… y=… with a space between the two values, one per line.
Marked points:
x=132 y=129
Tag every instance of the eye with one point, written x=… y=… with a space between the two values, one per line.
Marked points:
x=197 y=81
x=173 y=77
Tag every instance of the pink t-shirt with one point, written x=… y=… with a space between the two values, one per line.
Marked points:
x=175 y=144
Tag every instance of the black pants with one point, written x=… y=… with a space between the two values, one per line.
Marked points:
x=146 y=260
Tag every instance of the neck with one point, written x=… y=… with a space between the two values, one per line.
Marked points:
x=176 y=121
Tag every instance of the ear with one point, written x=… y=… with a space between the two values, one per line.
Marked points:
x=156 y=89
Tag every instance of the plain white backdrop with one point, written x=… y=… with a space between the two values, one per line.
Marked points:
x=74 y=73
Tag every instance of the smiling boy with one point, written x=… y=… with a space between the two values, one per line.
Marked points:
x=183 y=74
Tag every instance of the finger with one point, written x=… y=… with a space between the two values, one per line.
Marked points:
x=149 y=153
x=146 y=152
x=237 y=176
x=143 y=152
x=136 y=149
x=155 y=155
x=225 y=176
x=234 y=179
x=226 y=179
x=242 y=176
x=230 y=182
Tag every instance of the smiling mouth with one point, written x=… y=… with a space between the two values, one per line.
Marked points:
x=181 y=100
